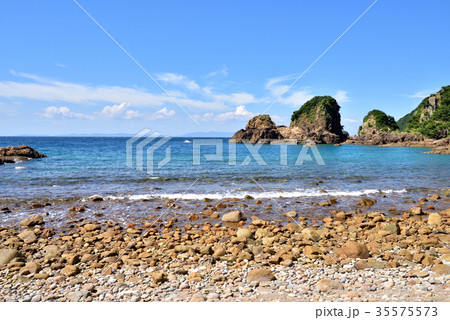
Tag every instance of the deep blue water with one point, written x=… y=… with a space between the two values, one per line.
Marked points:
x=84 y=166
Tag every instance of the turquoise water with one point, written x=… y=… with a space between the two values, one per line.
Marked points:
x=81 y=167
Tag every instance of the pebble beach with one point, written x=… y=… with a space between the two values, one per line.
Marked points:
x=226 y=253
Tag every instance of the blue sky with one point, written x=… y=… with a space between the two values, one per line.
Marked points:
x=221 y=61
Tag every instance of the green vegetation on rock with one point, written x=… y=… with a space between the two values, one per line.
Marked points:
x=309 y=109
x=382 y=121
x=431 y=118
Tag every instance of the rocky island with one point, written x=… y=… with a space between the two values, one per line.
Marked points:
x=12 y=154
x=317 y=120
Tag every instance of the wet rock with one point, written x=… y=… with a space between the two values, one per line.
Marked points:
x=234 y=216
x=292 y=214
x=366 y=202
x=260 y=275
x=32 y=221
x=91 y=227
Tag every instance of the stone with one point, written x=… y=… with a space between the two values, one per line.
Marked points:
x=33 y=267
x=194 y=276
x=260 y=275
x=292 y=214
x=293 y=227
x=393 y=228
x=159 y=277
x=435 y=197
x=6 y=255
x=310 y=234
x=234 y=216
x=441 y=269
x=434 y=219
x=70 y=270
x=244 y=233
x=91 y=227
x=416 y=210
x=32 y=221
x=353 y=249
x=365 y=202
x=312 y=252
x=361 y=265
x=326 y=285
x=77 y=296
x=28 y=236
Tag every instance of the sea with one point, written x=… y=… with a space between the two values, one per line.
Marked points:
x=195 y=170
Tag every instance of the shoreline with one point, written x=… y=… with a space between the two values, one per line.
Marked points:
x=345 y=255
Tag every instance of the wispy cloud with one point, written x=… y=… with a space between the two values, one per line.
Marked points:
x=62 y=113
x=60 y=65
x=341 y=96
x=222 y=72
x=239 y=114
x=177 y=79
x=421 y=94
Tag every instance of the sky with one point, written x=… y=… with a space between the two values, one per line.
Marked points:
x=201 y=65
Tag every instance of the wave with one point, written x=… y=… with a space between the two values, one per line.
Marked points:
x=255 y=195
x=20 y=168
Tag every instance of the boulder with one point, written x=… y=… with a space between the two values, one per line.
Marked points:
x=28 y=236
x=434 y=219
x=244 y=233
x=6 y=255
x=70 y=270
x=32 y=221
x=260 y=275
x=353 y=249
x=234 y=216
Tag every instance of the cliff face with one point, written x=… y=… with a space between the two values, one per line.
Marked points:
x=259 y=129
x=318 y=120
x=431 y=118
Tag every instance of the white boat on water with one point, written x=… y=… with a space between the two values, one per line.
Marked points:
x=187 y=141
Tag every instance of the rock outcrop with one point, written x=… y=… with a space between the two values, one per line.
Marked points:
x=380 y=129
x=431 y=118
x=13 y=154
x=318 y=120
x=259 y=129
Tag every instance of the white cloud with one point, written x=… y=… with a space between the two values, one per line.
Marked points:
x=241 y=113
x=164 y=113
x=221 y=72
x=119 y=111
x=297 y=98
x=341 y=96
x=61 y=113
x=235 y=98
x=60 y=65
x=178 y=79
